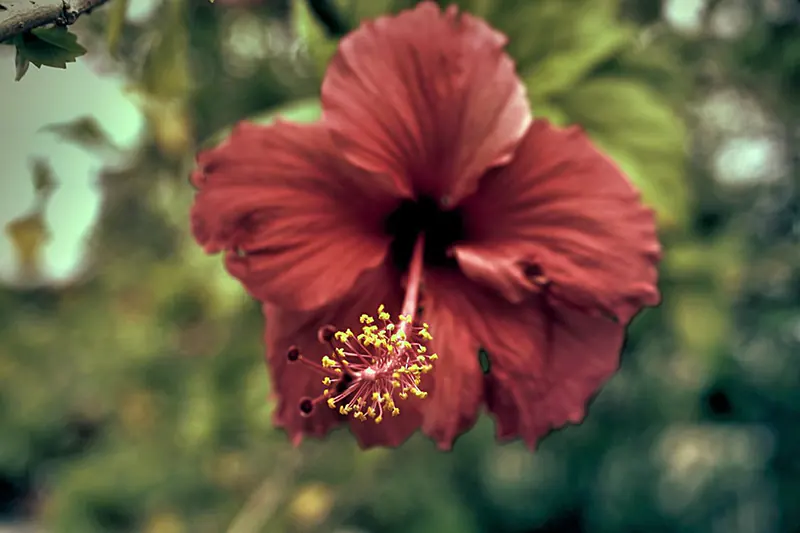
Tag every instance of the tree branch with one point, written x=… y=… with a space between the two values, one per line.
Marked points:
x=18 y=16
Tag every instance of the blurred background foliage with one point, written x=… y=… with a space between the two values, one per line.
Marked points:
x=134 y=396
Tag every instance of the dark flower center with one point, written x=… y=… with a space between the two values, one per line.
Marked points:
x=441 y=228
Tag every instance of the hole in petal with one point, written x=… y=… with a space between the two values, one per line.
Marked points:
x=535 y=273
x=325 y=334
x=306 y=406
x=293 y=354
x=483 y=359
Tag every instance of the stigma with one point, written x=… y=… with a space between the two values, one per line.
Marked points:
x=367 y=374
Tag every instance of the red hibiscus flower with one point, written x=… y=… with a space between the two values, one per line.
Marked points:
x=428 y=193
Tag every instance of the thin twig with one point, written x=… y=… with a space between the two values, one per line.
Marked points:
x=19 y=16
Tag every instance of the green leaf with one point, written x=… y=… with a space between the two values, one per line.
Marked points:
x=61 y=37
x=643 y=135
x=52 y=47
x=116 y=22
x=84 y=131
x=22 y=64
x=44 y=181
x=311 y=33
x=302 y=111
x=165 y=73
x=357 y=10
x=599 y=40
x=28 y=235
x=702 y=322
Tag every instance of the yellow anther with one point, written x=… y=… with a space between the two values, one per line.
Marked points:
x=390 y=349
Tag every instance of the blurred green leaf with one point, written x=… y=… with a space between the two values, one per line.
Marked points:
x=115 y=24
x=44 y=181
x=586 y=39
x=28 y=235
x=320 y=47
x=52 y=47
x=165 y=74
x=702 y=323
x=21 y=63
x=83 y=131
x=357 y=10
x=643 y=135
x=303 y=111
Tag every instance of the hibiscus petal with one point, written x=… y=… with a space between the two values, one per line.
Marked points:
x=575 y=354
x=453 y=404
x=545 y=362
x=562 y=217
x=298 y=226
x=427 y=97
x=293 y=381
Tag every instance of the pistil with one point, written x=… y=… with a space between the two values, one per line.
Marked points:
x=366 y=374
